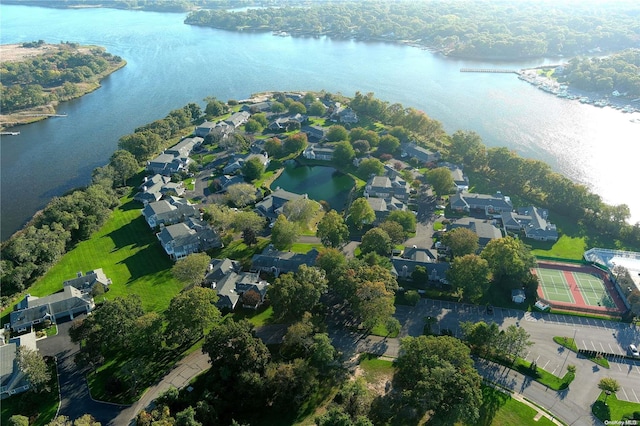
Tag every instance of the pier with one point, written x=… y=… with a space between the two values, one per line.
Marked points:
x=490 y=70
x=9 y=133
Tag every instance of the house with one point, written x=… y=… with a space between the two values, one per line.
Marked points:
x=13 y=380
x=490 y=204
x=383 y=206
x=185 y=147
x=191 y=236
x=231 y=284
x=167 y=164
x=460 y=180
x=204 y=129
x=155 y=187
x=280 y=262
x=257 y=107
x=34 y=310
x=284 y=124
x=386 y=187
x=422 y=155
x=226 y=181
x=532 y=221
x=86 y=282
x=271 y=205
x=317 y=152
x=403 y=266
x=344 y=114
x=237 y=162
x=484 y=229
x=169 y=211
x=314 y=133
x=238 y=119
x=518 y=296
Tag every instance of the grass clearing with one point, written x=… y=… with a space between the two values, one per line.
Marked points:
x=570 y=344
x=381 y=330
x=614 y=409
x=374 y=369
x=305 y=247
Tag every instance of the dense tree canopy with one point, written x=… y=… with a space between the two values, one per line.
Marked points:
x=191 y=270
x=469 y=276
x=284 y=233
x=360 y=213
x=190 y=313
x=292 y=295
x=332 y=230
x=461 y=241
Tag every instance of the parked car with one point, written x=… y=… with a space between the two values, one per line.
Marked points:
x=634 y=350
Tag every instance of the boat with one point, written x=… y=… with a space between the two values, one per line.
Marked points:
x=9 y=133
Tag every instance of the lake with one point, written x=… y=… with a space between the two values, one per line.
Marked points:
x=171 y=64
x=318 y=182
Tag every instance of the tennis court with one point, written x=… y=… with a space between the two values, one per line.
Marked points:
x=593 y=290
x=554 y=286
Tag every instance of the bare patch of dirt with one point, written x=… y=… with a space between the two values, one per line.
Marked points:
x=17 y=53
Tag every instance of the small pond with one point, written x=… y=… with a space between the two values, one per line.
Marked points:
x=318 y=182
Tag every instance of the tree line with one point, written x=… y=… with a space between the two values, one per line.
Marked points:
x=73 y=217
x=619 y=71
x=490 y=29
x=52 y=76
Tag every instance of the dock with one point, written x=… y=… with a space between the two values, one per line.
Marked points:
x=490 y=70
x=9 y=133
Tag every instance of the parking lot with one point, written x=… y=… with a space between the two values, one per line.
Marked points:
x=594 y=334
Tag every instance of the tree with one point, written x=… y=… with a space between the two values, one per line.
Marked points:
x=608 y=386
x=148 y=333
x=294 y=294
x=361 y=147
x=376 y=240
x=394 y=230
x=187 y=417
x=252 y=169
x=295 y=143
x=437 y=373
x=278 y=107
x=513 y=341
x=467 y=148
x=388 y=145
x=373 y=303
x=189 y=314
x=360 y=133
x=332 y=261
x=405 y=218
x=142 y=145
x=482 y=337
x=249 y=236
x=274 y=147
x=510 y=261
x=284 y=233
x=301 y=210
x=18 y=420
x=124 y=165
x=317 y=109
x=332 y=230
x=253 y=126
x=215 y=107
x=469 y=276
x=360 y=213
x=370 y=167
x=32 y=364
x=298 y=340
x=243 y=220
x=241 y=194
x=191 y=269
x=297 y=108
x=343 y=154
x=219 y=216
x=337 y=133
x=461 y=241
x=441 y=180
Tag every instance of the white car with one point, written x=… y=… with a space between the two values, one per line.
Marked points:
x=634 y=350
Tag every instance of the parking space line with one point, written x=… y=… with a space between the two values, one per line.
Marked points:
x=637 y=369
x=537 y=359
x=625 y=394
x=594 y=345
x=602 y=346
x=619 y=368
x=584 y=344
x=634 y=395
x=545 y=365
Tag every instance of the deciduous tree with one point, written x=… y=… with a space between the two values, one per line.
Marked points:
x=301 y=210
x=124 y=165
x=343 y=154
x=32 y=364
x=337 y=133
x=190 y=270
x=469 y=276
x=461 y=241
x=369 y=167
x=510 y=261
x=360 y=213
x=241 y=194
x=441 y=180
x=189 y=314
x=405 y=218
x=252 y=169
x=376 y=240
x=332 y=230
x=294 y=294
x=284 y=233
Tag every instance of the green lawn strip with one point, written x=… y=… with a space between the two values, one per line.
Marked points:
x=305 y=247
x=381 y=330
x=39 y=406
x=566 y=247
x=569 y=343
x=374 y=368
x=239 y=251
x=259 y=317
x=539 y=375
x=500 y=409
x=614 y=409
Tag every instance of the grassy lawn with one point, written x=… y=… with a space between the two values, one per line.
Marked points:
x=566 y=247
x=41 y=406
x=381 y=330
x=375 y=369
x=500 y=409
x=613 y=409
x=305 y=247
x=261 y=316
x=130 y=255
x=569 y=343
x=543 y=376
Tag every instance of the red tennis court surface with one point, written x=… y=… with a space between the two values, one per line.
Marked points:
x=578 y=288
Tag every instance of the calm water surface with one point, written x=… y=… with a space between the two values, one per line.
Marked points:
x=318 y=182
x=171 y=64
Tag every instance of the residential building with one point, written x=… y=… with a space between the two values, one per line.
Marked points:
x=280 y=262
x=532 y=221
x=155 y=187
x=12 y=379
x=231 y=284
x=169 y=211
x=238 y=119
x=318 y=152
x=86 y=282
x=460 y=180
x=257 y=107
x=236 y=162
x=191 y=236
x=174 y=159
x=423 y=155
x=403 y=266
x=490 y=204
x=386 y=187
x=484 y=229
x=383 y=206
x=271 y=205
x=314 y=133
x=344 y=115
x=34 y=310
x=204 y=129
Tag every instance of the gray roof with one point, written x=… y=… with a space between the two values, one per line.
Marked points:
x=484 y=229
x=87 y=280
x=271 y=204
x=467 y=200
x=283 y=261
x=33 y=308
x=218 y=268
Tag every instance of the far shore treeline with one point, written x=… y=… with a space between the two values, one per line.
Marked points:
x=73 y=217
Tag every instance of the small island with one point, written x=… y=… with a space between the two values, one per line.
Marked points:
x=37 y=76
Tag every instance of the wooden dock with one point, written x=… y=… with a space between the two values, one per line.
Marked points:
x=490 y=70
x=9 y=133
